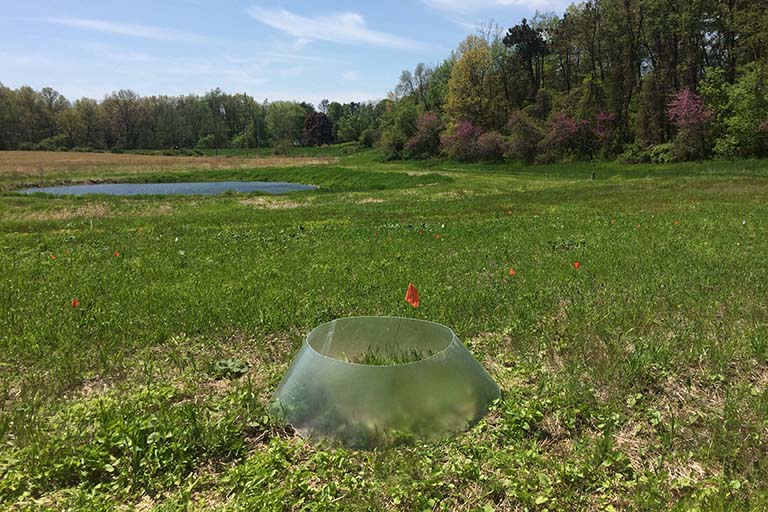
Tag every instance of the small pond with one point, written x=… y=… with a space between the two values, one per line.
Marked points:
x=200 y=188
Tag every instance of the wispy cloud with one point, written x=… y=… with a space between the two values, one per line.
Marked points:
x=466 y=6
x=131 y=30
x=277 y=57
x=471 y=27
x=350 y=76
x=345 y=28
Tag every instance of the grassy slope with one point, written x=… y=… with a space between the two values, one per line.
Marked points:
x=640 y=380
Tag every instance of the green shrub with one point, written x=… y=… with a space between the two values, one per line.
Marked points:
x=398 y=125
x=369 y=138
x=656 y=154
x=240 y=141
x=281 y=148
x=747 y=109
x=207 y=142
x=688 y=146
x=55 y=143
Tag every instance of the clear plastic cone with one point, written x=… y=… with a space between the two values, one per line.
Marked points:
x=376 y=381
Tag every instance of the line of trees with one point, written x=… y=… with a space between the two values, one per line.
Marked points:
x=643 y=80
x=46 y=120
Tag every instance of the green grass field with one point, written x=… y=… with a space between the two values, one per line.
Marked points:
x=638 y=381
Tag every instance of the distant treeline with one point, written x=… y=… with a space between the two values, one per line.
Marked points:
x=46 y=120
x=641 y=80
x=644 y=80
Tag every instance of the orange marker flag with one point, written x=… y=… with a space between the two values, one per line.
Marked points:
x=412 y=296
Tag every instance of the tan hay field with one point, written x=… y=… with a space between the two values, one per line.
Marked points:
x=18 y=164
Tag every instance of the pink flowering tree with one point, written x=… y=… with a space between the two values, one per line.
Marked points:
x=460 y=141
x=568 y=136
x=688 y=113
x=686 y=110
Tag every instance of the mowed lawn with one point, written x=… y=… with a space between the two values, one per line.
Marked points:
x=637 y=381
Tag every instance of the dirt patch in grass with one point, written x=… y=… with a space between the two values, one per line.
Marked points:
x=94 y=387
x=370 y=200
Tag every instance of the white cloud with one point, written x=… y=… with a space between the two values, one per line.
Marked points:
x=466 y=6
x=276 y=57
x=131 y=30
x=350 y=76
x=346 y=27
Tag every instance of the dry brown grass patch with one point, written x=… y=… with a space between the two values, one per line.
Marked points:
x=686 y=401
x=86 y=211
x=370 y=200
x=19 y=164
x=94 y=210
x=638 y=445
x=456 y=194
x=270 y=204
x=758 y=378
x=161 y=210
x=94 y=387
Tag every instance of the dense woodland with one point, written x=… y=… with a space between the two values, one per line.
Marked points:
x=640 y=80
x=47 y=120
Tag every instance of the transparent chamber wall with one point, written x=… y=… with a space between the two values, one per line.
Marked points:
x=327 y=396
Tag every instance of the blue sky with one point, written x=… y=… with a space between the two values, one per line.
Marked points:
x=295 y=50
